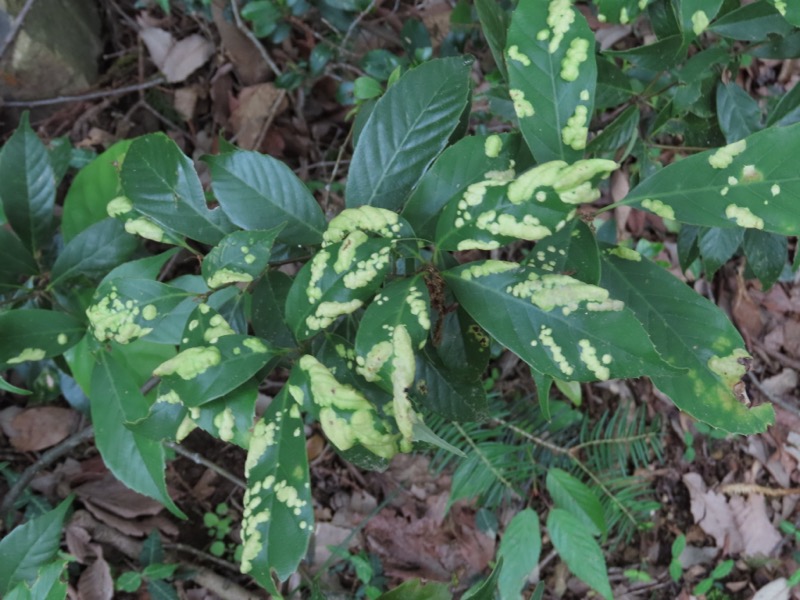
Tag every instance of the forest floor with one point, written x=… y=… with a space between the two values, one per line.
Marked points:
x=395 y=525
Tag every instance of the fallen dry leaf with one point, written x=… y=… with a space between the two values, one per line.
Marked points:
x=41 y=427
x=255 y=105
x=95 y=583
x=176 y=59
x=775 y=590
x=758 y=533
x=109 y=494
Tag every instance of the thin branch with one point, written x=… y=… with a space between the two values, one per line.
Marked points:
x=485 y=461
x=255 y=41
x=200 y=460
x=18 y=20
x=88 y=96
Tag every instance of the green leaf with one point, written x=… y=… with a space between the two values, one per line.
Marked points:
x=92 y=189
x=618 y=11
x=738 y=113
x=28 y=187
x=470 y=160
x=494 y=24
x=269 y=309
x=690 y=333
x=746 y=183
x=487 y=589
x=259 y=192
x=35 y=334
x=752 y=22
x=448 y=392
x=717 y=246
x=519 y=550
x=576 y=546
x=787 y=111
x=406 y=130
x=130 y=581
x=162 y=184
x=695 y=15
x=766 y=255
x=152 y=550
x=552 y=75
x=17 y=263
x=7 y=387
x=30 y=546
x=560 y=326
x=135 y=460
x=240 y=257
x=333 y=284
x=616 y=134
x=230 y=418
x=414 y=589
x=94 y=252
x=790 y=11
x=572 y=250
x=658 y=56
x=463 y=347
x=213 y=360
x=278 y=508
x=159 y=570
x=578 y=499
x=124 y=309
x=161 y=590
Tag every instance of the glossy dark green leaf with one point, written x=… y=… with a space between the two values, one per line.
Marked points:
x=28 y=187
x=30 y=546
x=135 y=460
x=658 y=56
x=494 y=24
x=578 y=499
x=162 y=184
x=93 y=252
x=738 y=113
x=17 y=264
x=552 y=75
x=544 y=384
x=406 y=130
x=746 y=183
x=278 y=508
x=787 y=111
x=572 y=251
x=448 y=392
x=576 y=547
x=124 y=309
x=717 y=246
x=613 y=85
x=463 y=346
x=690 y=333
x=618 y=11
x=259 y=192
x=239 y=258
x=789 y=10
x=213 y=359
x=688 y=247
x=468 y=161
x=616 y=134
x=766 y=255
x=560 y=326
x=35 y=334
x=93 y=188
x=752 y=22
x=333 y=284
x=49 y=584
x=269 y=309
x=519 y=550
x=141 y=268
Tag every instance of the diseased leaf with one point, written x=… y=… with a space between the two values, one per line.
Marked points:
x=468 y=161
x=577 y=548
x=572 y=251
x=448 y=392
x=278 y=509
x=135 y=460
x=93 y=252
x=463 y=347
x=259 y=192
x=28 y=188
x=30 y=547
x=519 y=550
x=161 y=183
x=752 y=22
x=696 y=15
x=406 y=130
x=239 y=258
x=560 y=326
x=745 y=184
x=35 y=334
x=230 y=418
x=693 y=334
x=93 y=188
x=552 y=75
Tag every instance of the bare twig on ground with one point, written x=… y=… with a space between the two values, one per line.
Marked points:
x=16 y=26
x=200 y=460
x=87 y=96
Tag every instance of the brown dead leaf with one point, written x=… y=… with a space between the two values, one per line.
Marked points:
x=42 y=427
x=246 y=59
x=255 y=105
x=711 y=512
x=782 y=383
x=758 y=533
x=109 y=494
x=185 y=101
x=176 y=59
x=791 y=337
x=775 y=590
x=96 y=583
